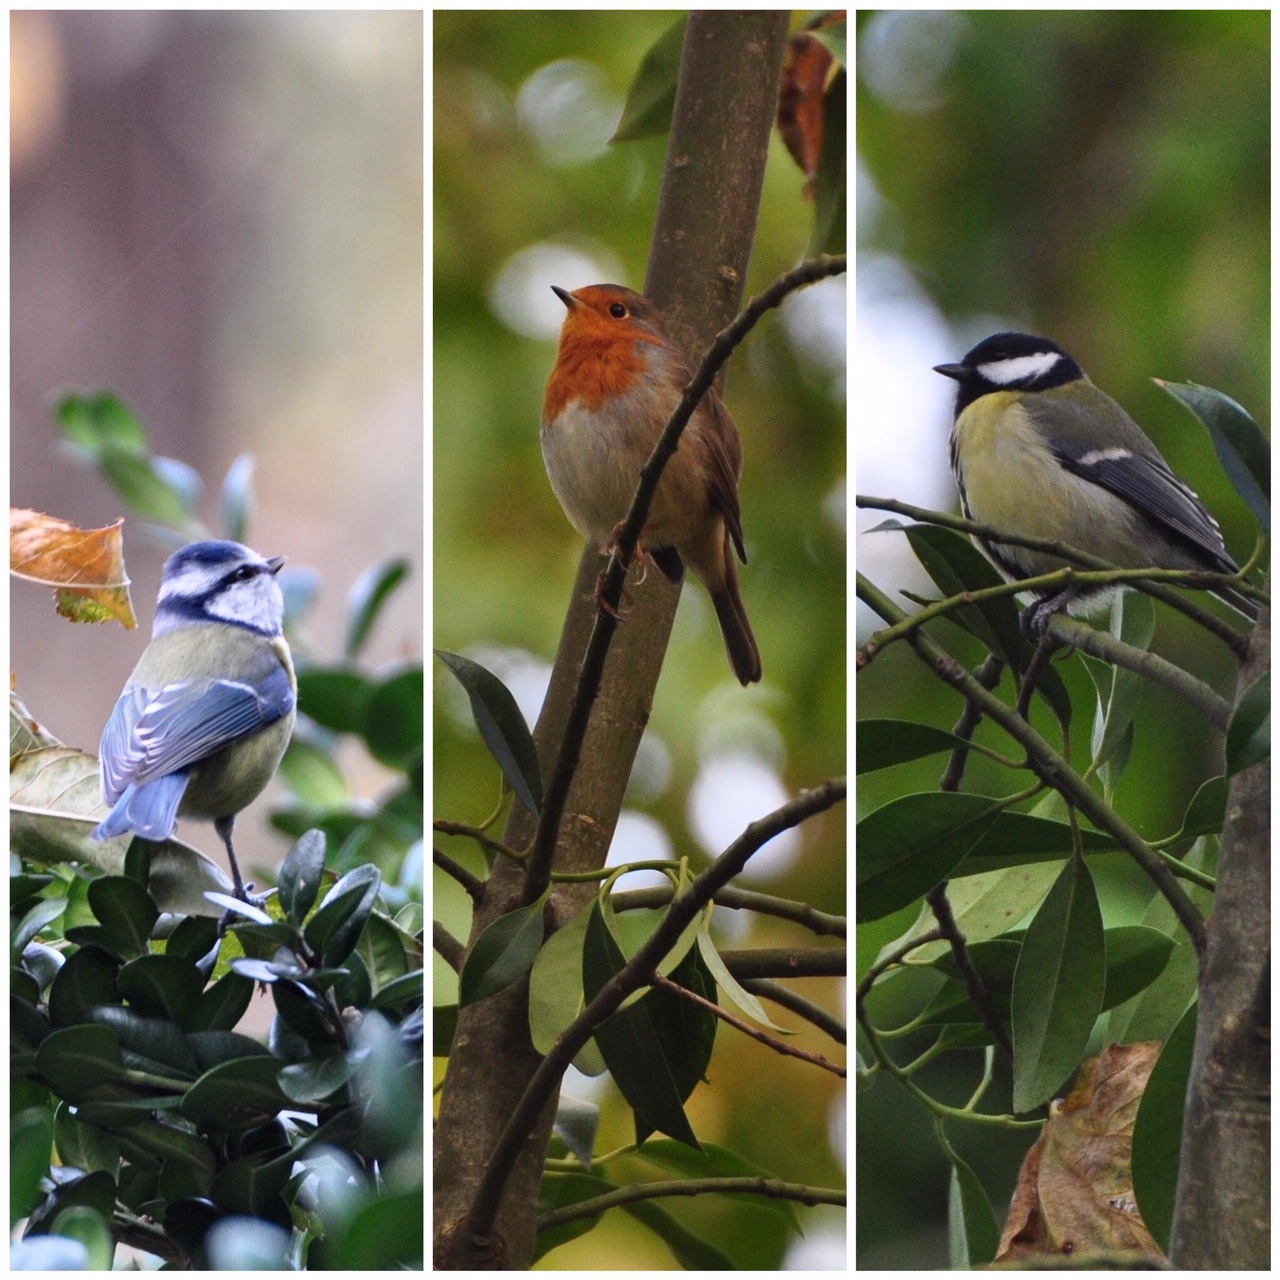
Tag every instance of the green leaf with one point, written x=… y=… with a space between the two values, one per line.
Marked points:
x=955 y=565
x=99 y=421
x=1136 y=957
x=236 y=1095
x=504 y=952
x=1207 y=811
x=973 y=1234
x=236 y=502
x=30 y=1151
x=75 y=1059
x=393 y=721
x=657 y=1048
x=714 y=1161
x=691 y=1251
x=882 y=743
x=1243 y=450
x=87 y=979
x=732 y=987
x=369 y=593
x=46 y=911
x=87 y=1226
x=127 y=914
x=1016 y=838
x=911 y=844
x=163 y=985
x=1058 y=987
x=384 y=1235
x=1249 y=733
x=300 y=876
x=652 y=96
x=555 y=992
x=335 y=928
x=1157 y=1131
x=84 y=1146
x=501 y=726
x=334 y=697
x=153 y=493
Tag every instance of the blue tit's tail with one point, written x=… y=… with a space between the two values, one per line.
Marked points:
x=150 y=811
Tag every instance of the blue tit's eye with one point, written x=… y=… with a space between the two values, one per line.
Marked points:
x=244 y=572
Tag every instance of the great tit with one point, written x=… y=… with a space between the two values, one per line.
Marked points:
x=1038 y=451
x=208 y=711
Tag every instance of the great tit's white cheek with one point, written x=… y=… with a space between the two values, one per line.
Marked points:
x=1018 y=369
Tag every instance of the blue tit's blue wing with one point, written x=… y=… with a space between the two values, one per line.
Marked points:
x=156 y=732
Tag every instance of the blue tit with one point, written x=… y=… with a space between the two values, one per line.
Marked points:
x=1038 y=451
x=207 y=713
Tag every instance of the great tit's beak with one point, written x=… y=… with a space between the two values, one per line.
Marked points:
x=957 y=371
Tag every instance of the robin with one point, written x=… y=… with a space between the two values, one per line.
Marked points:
x=616 y=382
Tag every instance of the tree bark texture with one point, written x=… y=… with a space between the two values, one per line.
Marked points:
x=1222 y=1215
x=707 y=214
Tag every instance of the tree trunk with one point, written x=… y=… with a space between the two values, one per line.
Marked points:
x=1222 y=1215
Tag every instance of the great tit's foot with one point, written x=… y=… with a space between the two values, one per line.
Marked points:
x=1034 y=620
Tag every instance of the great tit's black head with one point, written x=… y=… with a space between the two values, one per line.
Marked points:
x=1010 y=362
x=220 y=581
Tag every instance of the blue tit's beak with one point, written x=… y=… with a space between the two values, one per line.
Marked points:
x=275 y=564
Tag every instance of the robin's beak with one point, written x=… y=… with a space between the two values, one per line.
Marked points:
x=565 y=296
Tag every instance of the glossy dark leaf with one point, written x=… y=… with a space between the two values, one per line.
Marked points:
x=501 y=726
x=504 y=952
x=1243 y=449
x=162 y=985
x=87 y=979
x=973 y=1234
x=652 y=95
x=300 y=876
x=882 y=743
x=335 y=928
x=236 y=1094
x=1058 y=987
x=911 y=844
x=1157 y=1131
x=334 y=697
x=126 y=912
x=393 y=719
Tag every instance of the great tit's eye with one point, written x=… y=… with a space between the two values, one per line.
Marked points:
x=618 y=311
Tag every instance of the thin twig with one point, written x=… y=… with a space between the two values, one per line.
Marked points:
x=771 y=1188
x=778 y=1046
x=779 y=993
x=472 y=884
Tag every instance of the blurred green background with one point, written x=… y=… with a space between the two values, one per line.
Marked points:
x=1102 y=178
x=528 y=194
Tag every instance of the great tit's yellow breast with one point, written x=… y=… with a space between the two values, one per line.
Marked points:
x=1013 y=482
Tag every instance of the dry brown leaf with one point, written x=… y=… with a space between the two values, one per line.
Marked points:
x=85 y=567
x=805 y=75
x=1075 y=1190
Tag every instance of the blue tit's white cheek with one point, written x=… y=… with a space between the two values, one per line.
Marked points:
x=253 y=602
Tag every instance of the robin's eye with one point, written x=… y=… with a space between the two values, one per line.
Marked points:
x=618 y=311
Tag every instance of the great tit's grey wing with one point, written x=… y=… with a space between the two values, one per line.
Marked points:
x=1148 y=484
x=154 y=732
x=1093 y=437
